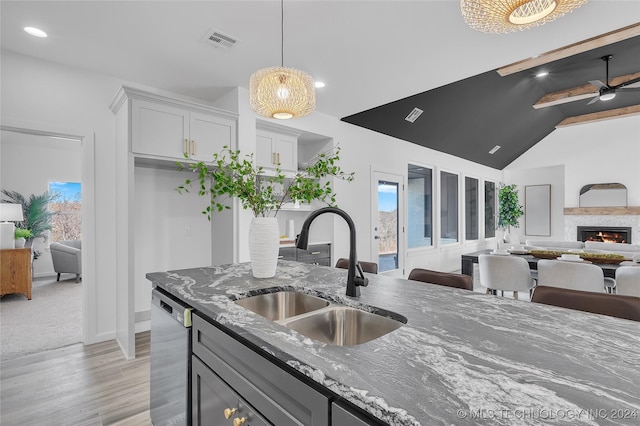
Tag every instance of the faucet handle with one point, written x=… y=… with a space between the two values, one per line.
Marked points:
x=360 y=280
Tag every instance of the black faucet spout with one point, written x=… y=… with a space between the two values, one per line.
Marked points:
x=355 y=276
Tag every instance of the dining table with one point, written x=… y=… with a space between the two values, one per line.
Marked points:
x=468 y=259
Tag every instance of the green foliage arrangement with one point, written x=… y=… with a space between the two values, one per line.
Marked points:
x=509 y=208
x=22 y=233
x=232 y=174
x=37 y=216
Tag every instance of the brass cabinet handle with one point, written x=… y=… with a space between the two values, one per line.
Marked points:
x=193 y=147
x=278 y=158
x=273 y=158
x=315 y=252
x=186 y=146
x=239 y=421
x=228 y=412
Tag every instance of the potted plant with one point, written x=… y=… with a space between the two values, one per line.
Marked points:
x=37 y=217
x=232 y=174
x=21 y=236
x=509 y=210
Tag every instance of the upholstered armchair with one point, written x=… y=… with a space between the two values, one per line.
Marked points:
x=67 y=258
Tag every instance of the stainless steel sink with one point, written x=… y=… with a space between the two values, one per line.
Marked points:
x=344 y=326
x=282 y=304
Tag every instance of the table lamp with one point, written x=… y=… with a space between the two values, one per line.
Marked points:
x=9 y=213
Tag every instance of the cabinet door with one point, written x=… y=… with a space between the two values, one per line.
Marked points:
x=208 y=134
x=286 y=152
x=340 y=416
x=158 y=129
x=211 y=397
x=265 y=142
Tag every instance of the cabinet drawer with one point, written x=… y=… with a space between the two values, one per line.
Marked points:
x=317 y=251
x=341 y=416
x=281 y=398
x=212 y=396
x=287 y=253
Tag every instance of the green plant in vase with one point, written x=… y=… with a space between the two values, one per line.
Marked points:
x=509 y=210
x=21 y=235
x=264 y=192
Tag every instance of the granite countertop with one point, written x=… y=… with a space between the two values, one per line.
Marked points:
x=462 y=358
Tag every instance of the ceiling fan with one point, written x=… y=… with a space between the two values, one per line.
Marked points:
x=607 y=92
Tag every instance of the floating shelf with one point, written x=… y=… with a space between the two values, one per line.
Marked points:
x=622 y=211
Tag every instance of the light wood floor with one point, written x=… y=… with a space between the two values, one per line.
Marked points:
x=77 y=385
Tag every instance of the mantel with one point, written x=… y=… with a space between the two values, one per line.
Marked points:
x=624 y=211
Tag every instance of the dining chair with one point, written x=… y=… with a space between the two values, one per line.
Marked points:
x=628 y=280
x=570 y=275
x=615 y=305
x=448 y=279
x=505 y=273
x=370 y=267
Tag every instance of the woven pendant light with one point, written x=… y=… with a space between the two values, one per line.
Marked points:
x=503 y=16
x=280 y=92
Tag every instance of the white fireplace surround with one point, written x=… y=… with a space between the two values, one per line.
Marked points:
x=571 y=223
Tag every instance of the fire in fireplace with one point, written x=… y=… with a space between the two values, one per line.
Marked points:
x=607 y=234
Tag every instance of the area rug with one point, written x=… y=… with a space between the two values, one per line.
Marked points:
x=50 y=320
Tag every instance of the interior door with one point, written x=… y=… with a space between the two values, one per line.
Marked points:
x=387 y=219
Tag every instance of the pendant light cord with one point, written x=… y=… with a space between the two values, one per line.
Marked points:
x=282 y=33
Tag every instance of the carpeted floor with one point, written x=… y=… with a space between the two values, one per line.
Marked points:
x=51 y=319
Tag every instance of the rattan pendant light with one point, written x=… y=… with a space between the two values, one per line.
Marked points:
x=280 y=92
x=503 y=16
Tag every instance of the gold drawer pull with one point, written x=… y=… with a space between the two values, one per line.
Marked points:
x=228 y=412
x=239 y=421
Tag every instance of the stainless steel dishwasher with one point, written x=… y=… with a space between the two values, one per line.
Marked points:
x=170 y=360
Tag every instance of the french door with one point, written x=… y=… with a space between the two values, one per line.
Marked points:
x=387 y=219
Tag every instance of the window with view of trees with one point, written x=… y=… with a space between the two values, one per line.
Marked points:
x=471 y=208
x=489 y=209
x=448 y=208
x=67 y=206
x=420 y=210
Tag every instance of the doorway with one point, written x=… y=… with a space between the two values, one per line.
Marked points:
x=387 y=219
x=33 y=162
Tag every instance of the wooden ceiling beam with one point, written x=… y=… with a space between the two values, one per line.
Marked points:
x=572 y=49
x=600 y=116
x=585 y=91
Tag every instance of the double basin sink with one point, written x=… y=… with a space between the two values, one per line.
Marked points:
x=321 y=320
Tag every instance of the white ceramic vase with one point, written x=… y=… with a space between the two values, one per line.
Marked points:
x=20 y=242
x=263 y=246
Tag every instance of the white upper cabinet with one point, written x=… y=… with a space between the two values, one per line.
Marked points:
x=166 y=127
x=273 y=148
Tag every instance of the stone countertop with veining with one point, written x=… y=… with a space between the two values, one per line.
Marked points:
x=462 y=358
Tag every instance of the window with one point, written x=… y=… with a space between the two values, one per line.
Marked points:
x=489 y=209
x=67 y=222
x=448 y=208
x=420 y=206
x=471 y=208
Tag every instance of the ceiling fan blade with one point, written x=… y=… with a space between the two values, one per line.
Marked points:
x=594 y=100
x=627 y=83
x=628 y=89
x=599 y=84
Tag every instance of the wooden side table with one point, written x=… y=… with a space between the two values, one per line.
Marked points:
x=15 y=271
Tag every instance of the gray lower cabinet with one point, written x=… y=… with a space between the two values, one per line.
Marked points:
x=212 y=398
x=316 y=254
x=341 y=416
x=268 y=391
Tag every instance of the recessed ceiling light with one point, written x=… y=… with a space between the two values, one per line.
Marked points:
x=319 y=84
x=36 y=32
x=494 y=149
x=542 y=74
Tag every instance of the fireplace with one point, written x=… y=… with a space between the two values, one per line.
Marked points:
x=607 y=234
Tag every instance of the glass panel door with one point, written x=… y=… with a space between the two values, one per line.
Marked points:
x=387 y=243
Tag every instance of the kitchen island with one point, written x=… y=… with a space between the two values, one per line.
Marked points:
x=461 y=358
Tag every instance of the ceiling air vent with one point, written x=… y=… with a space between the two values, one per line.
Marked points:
x=494 y=149
x=217 y=39
x=413 y=115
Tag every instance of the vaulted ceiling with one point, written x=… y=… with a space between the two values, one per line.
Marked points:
x=370 y=54
x=470 y=117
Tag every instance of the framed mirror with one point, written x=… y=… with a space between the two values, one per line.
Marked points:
x=537 y=210
x=603 y=195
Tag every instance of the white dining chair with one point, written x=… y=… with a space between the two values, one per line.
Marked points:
x=628 y=280
x=572 y=275
x=505 y=273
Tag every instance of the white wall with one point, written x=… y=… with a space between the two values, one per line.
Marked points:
x=28 y=163
x=601 y=152
x=551 y=175
x=45 y=96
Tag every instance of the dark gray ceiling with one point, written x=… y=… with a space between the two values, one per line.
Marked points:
x=469 y=117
